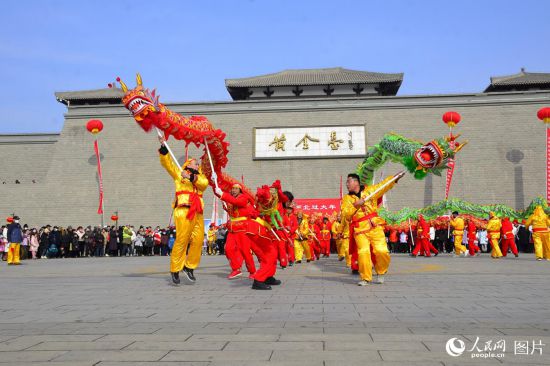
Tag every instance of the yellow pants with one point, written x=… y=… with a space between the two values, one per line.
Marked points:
x=459 y=248
x=338 y=246
x=541 y=241
x=495 y=249
x=301 y=247
x=377 y=239
x=13 y=253
x=210 y=247
x=187 y=248
x=344 y=247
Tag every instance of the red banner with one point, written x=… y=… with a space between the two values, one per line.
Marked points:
x=450 y=171
x=548 y=165
x=96 y=149
x=323 y=205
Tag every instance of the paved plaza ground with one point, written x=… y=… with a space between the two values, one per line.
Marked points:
x=123 y=311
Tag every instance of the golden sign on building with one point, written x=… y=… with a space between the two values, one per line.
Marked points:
x=309 y=142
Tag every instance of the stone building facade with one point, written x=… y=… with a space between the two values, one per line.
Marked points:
x=504 y=161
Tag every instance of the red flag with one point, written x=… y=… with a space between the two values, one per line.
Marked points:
x=96 y=149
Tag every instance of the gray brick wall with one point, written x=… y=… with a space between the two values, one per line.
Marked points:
x=504 y=161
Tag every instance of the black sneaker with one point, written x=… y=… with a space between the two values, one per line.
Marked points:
x=175 y=278
x=257 y=285
x=341 y=259
x=272 y=281
x=309 y=260
x=290 y=264
x=298 y=261
x=189 y=277
x=355 y=272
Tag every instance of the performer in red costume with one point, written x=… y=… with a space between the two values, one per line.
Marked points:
x=264 y=242
x=282 y=241
x=314 y=236
x=472 y=238
x=290 y=223
x=423 y=238
x=325 y=237
x=508 y=239
x=238 y=243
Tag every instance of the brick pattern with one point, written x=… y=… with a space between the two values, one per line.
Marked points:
x=503 y=162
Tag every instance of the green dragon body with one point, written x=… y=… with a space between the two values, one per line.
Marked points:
x=419 y=159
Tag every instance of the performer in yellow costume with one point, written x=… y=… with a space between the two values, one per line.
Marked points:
x=211 y=238
x=336 y=230
x=541 y=235
x=190 y=183
x=493 y=234
x=301 y=240
x=366 y=228
x=458 y=232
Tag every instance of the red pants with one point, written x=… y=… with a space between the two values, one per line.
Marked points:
x=325 y=244
x=266 y=251
x=472 y=247
x=418 y=247
x=315 y=249
x=509 y=243
x=290 y=250
x=237 y=249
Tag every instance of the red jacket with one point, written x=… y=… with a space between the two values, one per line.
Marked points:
x=238 y=206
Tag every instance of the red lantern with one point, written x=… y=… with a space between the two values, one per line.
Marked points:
x=9 y=220
x=544 y=114
x=94 y=126
x=114 y=218
x=451 y=118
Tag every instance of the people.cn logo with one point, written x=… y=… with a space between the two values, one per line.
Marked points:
x=452 y=348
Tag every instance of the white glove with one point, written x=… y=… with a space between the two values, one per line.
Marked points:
x=218 y=191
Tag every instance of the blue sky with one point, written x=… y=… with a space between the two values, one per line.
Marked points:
x=187 y=48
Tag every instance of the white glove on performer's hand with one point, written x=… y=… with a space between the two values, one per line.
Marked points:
x=218 y=191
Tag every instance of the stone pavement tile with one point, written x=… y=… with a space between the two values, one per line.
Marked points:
x=375 y=346
x=18 y=344
x=380 y=363
x=457 y=330
x=308 y=330
x=61 y=337
x=177 y=346
x=182 y=330
x=407 y=356
x=11 y=357
x=323 y=324
x=160 y=363
x=525 y=331
x=323 y=337
x=146 y=337
x=341 y=356
x=250 y=355
x=72 y=356
x=244 y=346
x=53 y=363
x=268 y=363
x=235 y=337
x=80 y=345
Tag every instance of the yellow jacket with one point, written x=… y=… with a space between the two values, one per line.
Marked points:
x=303 y=229
x=184 y=187
x=350 y=213
x=211 y=235
x=539 y=220
x=458 y=226
x=336 y=230
x=493 y=228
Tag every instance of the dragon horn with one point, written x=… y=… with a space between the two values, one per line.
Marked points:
x=122 y=85
x=459 y=147
x=138 y=79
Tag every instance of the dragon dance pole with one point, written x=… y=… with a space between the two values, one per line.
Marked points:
x=159 y=133
x=214 y=175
